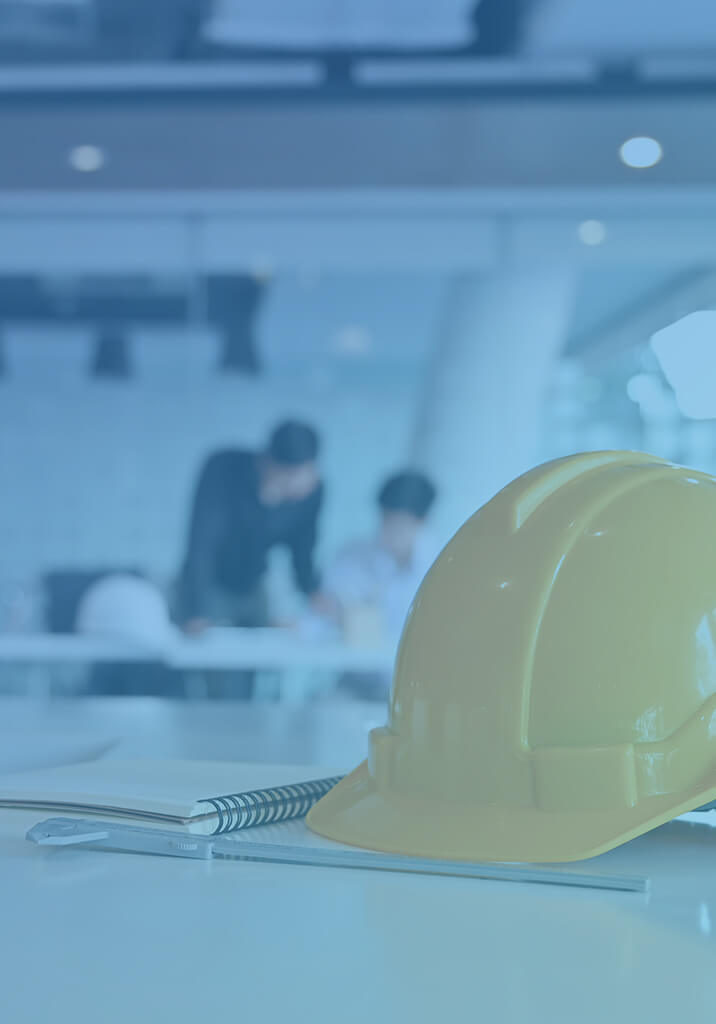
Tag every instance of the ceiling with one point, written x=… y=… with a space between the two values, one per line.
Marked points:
x=327 y=327
x=604 y=297
x=32 y=30
x=301 y=24
x=236 y=94
x=319 y=96
x=186 y=28
x=617 y=29
x=342 y=323
x=161 y=145
x=321 y=329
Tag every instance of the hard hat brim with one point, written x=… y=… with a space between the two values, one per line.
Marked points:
x=357 y=813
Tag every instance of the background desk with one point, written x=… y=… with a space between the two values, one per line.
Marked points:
x=90 y=937
x=273 y=650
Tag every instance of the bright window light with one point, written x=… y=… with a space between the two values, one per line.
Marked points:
x=686 y=351
x=641 y=151
x=655 y=401
x=86 y=158
x=642 y=387
x=352 y=340
x=592 y=232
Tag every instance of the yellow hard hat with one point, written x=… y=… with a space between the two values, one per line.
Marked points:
x=555 y=688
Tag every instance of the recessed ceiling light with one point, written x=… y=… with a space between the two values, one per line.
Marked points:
x=642 y=386
x=262 y=267
x=655 y=401
x=641 y=151
x=86 y=158
x=592 y=232
x=352 y=341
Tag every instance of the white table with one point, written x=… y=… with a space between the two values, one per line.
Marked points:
x=216 y=650
x=90 y=937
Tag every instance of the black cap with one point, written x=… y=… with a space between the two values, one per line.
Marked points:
x=293 y=443
x=407 y=491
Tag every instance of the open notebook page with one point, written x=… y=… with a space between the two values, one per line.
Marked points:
x=169 y=792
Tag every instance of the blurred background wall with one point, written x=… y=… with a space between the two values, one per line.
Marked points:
x=444 y=234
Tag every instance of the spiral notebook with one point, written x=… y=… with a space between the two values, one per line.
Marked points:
x=203 y=797
x=150 y=805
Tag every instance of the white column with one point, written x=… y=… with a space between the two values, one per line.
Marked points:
x=479 y=425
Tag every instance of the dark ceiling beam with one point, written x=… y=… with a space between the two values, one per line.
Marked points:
x=111 y=355
x=463 y=145
x=106 y=30
x=170 y=32
x=499 y=26
x=199 y=86
x=232 y=304
x=149 y=29
x=156 y=50
x=234 y=300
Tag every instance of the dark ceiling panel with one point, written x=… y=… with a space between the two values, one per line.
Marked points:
x=464 y=145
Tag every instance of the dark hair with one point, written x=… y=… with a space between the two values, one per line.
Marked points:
x=292 y=443
x=407 y=491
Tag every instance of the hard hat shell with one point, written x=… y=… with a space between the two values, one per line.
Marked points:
x=124 y=607
x=555 y=688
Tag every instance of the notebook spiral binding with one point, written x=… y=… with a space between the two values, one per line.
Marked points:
x=267 y=806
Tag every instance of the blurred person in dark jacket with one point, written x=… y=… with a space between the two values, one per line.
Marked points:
x=244 y=504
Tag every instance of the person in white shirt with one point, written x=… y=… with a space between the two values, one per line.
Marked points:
x=370 y=586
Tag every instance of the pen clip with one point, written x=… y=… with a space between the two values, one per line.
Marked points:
x=61 y=832
x=120 y=837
